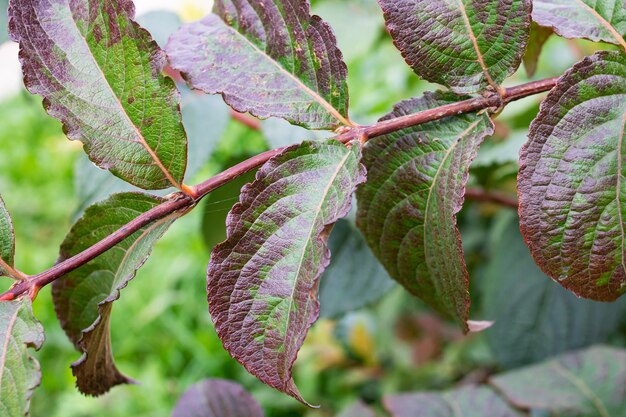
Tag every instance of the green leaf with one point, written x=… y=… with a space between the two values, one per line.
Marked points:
x=19 y=371
x=268 y=58
x=468 y=402
x=263 y=280
x=467 y=45
x=7 y=240
x=100 y=74
x=581 y=384
x=534 y=317
x=539 y=35
x=407 y=209
x=596 y=20
x=83 y=299
x=217 y=398
x=354 y=277
x=571 y=182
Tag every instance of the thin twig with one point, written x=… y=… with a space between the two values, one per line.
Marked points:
x=182 y=202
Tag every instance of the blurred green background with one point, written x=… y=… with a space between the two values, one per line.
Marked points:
x=161 y=331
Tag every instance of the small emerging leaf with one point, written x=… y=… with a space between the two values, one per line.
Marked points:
x=269 y=58
x=539 y=35
x=19 y=371
x=467 y=45
x=83 y=298
x=407 y=209
x=100 y=74
x=217 y=398
x=572 y=180
x=596 y=20
x=581 y=384
x=7 y=239
x=263 y=280
x=468 y=402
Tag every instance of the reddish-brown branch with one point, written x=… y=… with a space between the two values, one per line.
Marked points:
x=182 y=202
x=491 y=197
x=245 y=119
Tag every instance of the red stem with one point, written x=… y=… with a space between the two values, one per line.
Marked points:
x=182 y=202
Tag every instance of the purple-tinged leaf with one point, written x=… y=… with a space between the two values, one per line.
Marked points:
x=467 y=45
x=596 y=20
x=263 y=280
x=19 y=371
x=7 y=241
x=572 y=180
x=83 y=299
x=217 y=398
x=415 y=188
x=582 y=384
x=100 y=74
x=266 y=57
x=539 y=35
x=468 y=402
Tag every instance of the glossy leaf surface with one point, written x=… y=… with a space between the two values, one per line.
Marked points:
x=83 y=299
x=269 y=58
x=263 y=280
x=7 y=239
x=19 y=371
x=354 y=277
x=467 y=45
x=407 y=209
x=596 y=20
x=468 y=402
x=572 y=183
x=100 y=74
x=581 y=384
x=217 y=398
x=536 y=318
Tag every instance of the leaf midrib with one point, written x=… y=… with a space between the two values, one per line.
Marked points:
x=139 y=135
x=316 y=97
x=605 y=23
x=582 y=386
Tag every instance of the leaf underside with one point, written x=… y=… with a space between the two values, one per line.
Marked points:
x=554 y=319
x=19 y=371
x=263 y=280
x=407 y=209
x=596 y=20
x=580 y=384
x=217 y=398
x=7 y=238
x=83 y=298
x=539 y=35
x=467 y=45
x=269 y=58
x=469 y=402
x=100 y=74
x=572 y=180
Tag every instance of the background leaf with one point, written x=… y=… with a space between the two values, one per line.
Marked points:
x=407 y=209
x=539 y=35
x=596 y=20
x=262 y=281
x=83 y=298
x=116 y=102
x=7 y=238
x=358 y=410
x=581 y=384
x=470 y=401
x=4 y=4
x=279 y=133
x=354 y=277
x=534 y=317
x=571 y=182
x=463 y=44
x=19 y=371
x=294 y=71
x=217 y=398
